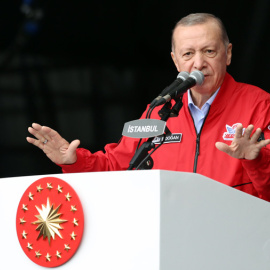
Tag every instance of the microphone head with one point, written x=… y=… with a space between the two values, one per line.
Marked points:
x=197 y=76
x=183 y=75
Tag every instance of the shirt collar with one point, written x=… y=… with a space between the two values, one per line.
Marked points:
x=209 y=101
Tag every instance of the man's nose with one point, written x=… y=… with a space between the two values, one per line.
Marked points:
x=199 y=61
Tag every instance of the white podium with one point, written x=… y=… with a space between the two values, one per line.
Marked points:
x=151 y=220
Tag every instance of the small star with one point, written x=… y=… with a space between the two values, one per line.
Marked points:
x=38 y=254
x=22 y=220
x=24 y=234
x=31 y=196
x=73 y=235
x=75 y=222
x=68 y=197
x=24 y=207
x=48 y=257
x=59 y=189
x=67 y=248
x=39 y=188
x=49 y=186
x=58 y=254
x=73 y=208
x=29 y=246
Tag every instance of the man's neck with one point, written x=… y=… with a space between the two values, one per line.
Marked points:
x=199 y=99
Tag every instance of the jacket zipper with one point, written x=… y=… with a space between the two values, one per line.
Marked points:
x=197 y=153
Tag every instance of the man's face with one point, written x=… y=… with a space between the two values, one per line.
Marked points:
x=200 y=47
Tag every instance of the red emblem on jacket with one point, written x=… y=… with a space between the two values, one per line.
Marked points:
x=229 y=135
x=50 y=222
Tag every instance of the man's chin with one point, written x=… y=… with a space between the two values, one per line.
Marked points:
x=205 y=88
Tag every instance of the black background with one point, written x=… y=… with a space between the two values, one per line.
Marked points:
x=93 y=65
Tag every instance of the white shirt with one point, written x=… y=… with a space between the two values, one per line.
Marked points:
x=199 y=115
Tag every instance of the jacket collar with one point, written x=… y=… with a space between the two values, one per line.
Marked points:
x=224 y=95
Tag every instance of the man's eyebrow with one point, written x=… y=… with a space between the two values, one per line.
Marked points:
x=186 y=49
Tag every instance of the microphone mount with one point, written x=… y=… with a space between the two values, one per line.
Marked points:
x=142 y=158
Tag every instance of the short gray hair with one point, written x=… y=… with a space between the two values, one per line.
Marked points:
x=201 y=18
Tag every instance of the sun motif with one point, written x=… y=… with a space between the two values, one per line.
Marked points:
x=49 y=221
x=42 y=236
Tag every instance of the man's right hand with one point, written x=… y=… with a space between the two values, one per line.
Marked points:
x=53 y=145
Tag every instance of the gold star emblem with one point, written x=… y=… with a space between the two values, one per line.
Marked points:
x=31 y=196
x=58 y=254
x=49 y=221
x=75 y=222
x=24 y=234
x=24 y=207
x=29 y=246
x=73 y=208
x=67 y=248
x=68 y=197
x=22 y=221
x=48 y=257
x=38 y=254
x=49 y=186
x=39 y=188
x=73 y=235
x=59 y=188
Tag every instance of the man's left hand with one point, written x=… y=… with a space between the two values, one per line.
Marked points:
x=244 y=146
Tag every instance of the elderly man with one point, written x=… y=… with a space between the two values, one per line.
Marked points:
x=224 y=125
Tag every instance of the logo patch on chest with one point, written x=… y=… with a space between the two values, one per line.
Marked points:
x=230 y=133
x=170 y=138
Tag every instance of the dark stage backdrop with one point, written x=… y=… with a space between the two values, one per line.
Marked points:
x=86 y=67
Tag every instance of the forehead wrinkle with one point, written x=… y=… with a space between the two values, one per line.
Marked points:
x=200 y=33
x=199 y=46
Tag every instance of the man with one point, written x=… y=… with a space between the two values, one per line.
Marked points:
x=218 y=116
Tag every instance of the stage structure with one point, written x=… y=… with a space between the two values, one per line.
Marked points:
x=147 y=220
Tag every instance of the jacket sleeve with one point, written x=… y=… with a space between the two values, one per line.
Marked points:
x=258 y=171
x=115 y=158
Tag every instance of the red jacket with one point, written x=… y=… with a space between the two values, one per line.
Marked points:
x=234 y=103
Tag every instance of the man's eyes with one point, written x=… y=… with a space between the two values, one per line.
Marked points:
x=187 y=55
x=210 y=52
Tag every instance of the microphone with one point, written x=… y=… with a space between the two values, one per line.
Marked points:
x=195 y=77
x=182 y=76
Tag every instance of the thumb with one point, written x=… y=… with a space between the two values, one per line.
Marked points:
x=74 y=145
x=222 y=147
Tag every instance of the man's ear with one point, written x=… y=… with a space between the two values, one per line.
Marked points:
x=229 y=54
x=175 y=61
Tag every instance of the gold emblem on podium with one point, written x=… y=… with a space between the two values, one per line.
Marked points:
x=50 y=222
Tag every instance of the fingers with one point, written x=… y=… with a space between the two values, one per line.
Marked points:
x=223 y=147
x=53 y=145
x=254 y=138
x=30 y=140
x=50 y=134
x=36 y=134
x=42 y=135
x=35 y=142
x=248 y=131
x=263 y=143
x=244 y=145
x=238 y=131
x=44 y=132
x=37 y=131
